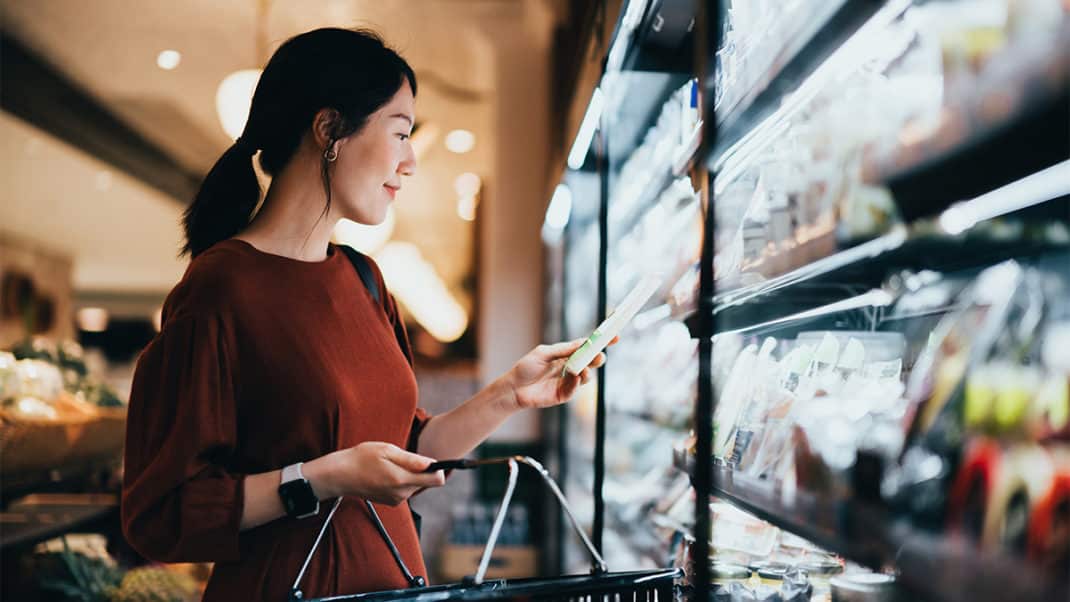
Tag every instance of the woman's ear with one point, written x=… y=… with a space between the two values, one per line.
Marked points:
x=324 y=127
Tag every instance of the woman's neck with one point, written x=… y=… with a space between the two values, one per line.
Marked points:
x=291 y=222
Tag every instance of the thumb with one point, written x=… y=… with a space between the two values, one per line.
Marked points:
x=408 y=460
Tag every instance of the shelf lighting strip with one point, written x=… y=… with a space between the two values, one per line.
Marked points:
x=1045 y=185
x=874 y=298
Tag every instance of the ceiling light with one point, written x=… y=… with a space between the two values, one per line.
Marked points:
x=168 y=59
x=92 y=319
x=233 y=99
x=460 y=141
x=467 y=184
x=364 y=238
x=585 y=134
x=466 y=208
x=557 y=215
x=421 y=290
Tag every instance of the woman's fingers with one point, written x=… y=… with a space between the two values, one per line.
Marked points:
x=598 y=361
x=407 y=460
x=565 y=349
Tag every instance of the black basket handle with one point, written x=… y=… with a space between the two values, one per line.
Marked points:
x=598 y=564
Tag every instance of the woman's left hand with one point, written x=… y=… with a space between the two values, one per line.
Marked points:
x=539 y=379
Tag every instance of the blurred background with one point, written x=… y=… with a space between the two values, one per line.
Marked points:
x=114 y=110
x=849 y=384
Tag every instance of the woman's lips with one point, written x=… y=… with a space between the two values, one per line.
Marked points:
x=391 y=190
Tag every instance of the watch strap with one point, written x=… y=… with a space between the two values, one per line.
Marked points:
x=292 y=473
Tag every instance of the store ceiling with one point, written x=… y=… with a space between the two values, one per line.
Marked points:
x=109 y=47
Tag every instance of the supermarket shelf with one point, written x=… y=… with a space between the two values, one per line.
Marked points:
x=832 y=24
x=634 y=100
x=649 y=420
x=931 y=566
x=646 y=63
x=51 y=516
x=928 y=245
x=647 y=199
x=1006 y=128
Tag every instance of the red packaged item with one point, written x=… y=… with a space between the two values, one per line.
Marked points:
x=1049 y=524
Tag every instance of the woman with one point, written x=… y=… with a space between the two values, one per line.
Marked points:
x=278 y=380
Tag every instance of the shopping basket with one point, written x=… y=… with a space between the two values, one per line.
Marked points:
x=599 y=585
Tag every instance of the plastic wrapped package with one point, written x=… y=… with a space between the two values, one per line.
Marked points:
x=736 y=530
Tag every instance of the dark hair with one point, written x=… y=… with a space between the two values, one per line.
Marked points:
x=350 y=71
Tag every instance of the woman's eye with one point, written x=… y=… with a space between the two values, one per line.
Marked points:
x=403 y=136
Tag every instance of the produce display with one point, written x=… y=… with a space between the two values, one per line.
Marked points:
x=52 y=413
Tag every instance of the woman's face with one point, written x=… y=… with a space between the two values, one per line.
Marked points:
x=367 y=174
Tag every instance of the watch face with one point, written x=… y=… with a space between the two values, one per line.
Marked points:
x=298 y=498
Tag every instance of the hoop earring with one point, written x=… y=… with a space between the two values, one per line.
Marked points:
x=330 y=154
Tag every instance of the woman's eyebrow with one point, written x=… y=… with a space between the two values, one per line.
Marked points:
x=403 y=116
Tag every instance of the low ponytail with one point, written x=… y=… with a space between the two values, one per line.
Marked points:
x=226 y=200
x=350 y=71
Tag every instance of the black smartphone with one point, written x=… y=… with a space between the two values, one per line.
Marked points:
x=448 y=465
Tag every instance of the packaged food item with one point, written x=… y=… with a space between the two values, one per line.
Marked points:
x=935 y=388
x=773 y=576
x=864 y=587
x=996 y=491
x=613 y=325
x=723 y=573
x=1049 y=523
x=752 y=420
x=820 y=571
x=732 y=398
x=735 y=530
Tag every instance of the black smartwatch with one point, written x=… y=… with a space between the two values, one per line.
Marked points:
x=296 y=492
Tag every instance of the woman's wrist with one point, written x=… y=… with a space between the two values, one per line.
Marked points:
x=320 y=475
x=506 y=392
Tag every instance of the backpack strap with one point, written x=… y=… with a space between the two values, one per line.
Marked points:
x=364 y=270
x=360 y=263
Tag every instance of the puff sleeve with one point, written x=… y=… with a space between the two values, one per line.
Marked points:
x=179 y=501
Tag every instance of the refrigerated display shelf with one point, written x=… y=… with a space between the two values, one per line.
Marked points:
x=648 y=419
x=658 y=183
x=929 y=565
x=1011 y=124
x=865 y=266
x=833 y=23
x=963 y=162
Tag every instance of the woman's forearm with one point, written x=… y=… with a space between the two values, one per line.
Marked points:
x=457 y=432
x=262 y=503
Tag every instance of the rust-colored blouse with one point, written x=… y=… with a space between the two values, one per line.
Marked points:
x=264 y=361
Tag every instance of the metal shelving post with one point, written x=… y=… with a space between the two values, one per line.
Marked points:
x=707 y=33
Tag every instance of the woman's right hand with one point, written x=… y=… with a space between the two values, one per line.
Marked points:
x=376 y=471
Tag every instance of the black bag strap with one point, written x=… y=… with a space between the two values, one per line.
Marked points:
x=364 y=270
x=360 y=263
